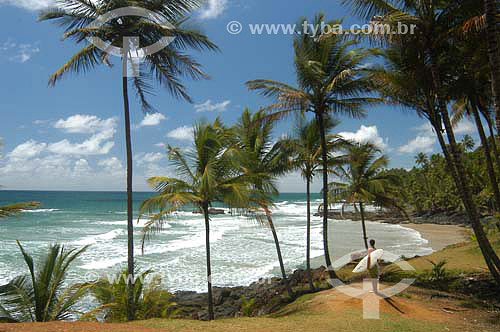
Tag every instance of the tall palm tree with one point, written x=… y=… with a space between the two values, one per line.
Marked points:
x=330 y=80
x=208 y=175
x=492 y=37
x=305 y=147
x=363 y=181
x=39 y=296
x=470 y=90
x=166 y=66
x=263 y=162
x=415 y=84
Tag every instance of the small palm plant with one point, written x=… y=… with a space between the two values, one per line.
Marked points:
x=364 y=182
x=305 y=146
x=167 y=66
x=207 y=175
x=40 y=296
x=150 y=299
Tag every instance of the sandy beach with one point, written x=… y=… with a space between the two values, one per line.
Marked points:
x=440 y=236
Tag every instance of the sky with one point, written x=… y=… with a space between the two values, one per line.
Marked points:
x=71 y=136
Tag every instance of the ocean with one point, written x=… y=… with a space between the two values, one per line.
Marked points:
x=242 y=250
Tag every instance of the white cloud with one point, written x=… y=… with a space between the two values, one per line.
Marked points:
x=148 y=158
x=465 y=127
x=16 y=52
x=160 y=145
x=28 y=4
x=99 y=143
x=27 y=150
x=112 y=165
x=85 y=124
x=152 y=119
x=418 y=144
x=209 y=106
x=95 y=145
x=183 y=133
x=366 y=134
x=213 y=9
x=426 y=137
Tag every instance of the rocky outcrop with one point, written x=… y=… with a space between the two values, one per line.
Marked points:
x=212 y=211
x=269 y=295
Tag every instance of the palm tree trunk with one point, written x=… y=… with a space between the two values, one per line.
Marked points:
x=308 y=234
x=487 y=154
x=462 y=186
x=278 y=250
x=489 y=121
x=209 y=266
x=130 y=211
x=490 y=7
x=365 y=237
x=453 y=171
x=324 y=157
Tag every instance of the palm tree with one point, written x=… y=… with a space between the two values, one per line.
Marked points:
x=365 y=182
x=39 y=296
x=166 y=66
x=470 y=90
x=263 y=162
x=330 y=80
x=305 y=145
x=492 y=36
x=426 y=51
x=208 y=175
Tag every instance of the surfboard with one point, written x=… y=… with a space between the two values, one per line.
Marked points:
x=363 y=264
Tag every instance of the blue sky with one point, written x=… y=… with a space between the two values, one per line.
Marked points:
x=70 y=137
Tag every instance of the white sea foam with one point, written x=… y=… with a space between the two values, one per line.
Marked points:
x=40 y=210
x=98 y=238
x=141 y=223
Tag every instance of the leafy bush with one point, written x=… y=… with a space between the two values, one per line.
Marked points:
x=247 y=306
x=39 y=296
x=150 y=300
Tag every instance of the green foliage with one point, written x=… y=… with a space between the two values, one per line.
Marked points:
x=364 y=180
x=247 y=306
x=429 y=186
x=40 y=296
x=166 y=66
x=208 y=173
x=150 y=300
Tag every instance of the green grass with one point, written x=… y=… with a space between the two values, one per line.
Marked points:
x=301 y=321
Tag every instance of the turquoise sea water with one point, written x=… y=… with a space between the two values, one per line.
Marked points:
x=242 y=250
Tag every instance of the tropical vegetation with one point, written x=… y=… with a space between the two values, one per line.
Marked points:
x=165 y=66
x=331 y=82
x=41 y=294
x=363 y=181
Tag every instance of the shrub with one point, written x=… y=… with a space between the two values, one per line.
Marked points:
x=40 y=296
x=247 y=306
x=150 y=300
